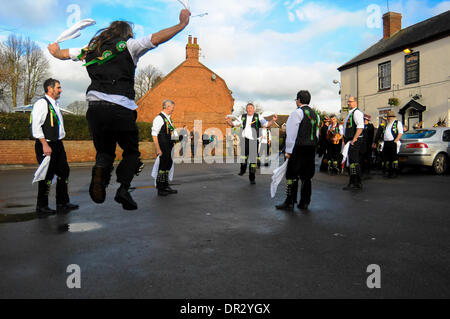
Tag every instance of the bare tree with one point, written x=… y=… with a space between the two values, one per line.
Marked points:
x=78 y=107
x=35 y=70
x=146 y=79
x=3 y=76
x=13 y=51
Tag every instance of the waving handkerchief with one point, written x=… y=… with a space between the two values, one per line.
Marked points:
x=75 y=31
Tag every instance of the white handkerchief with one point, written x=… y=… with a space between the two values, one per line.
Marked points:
x=185 y=3
x=41 y=172
x=345 y=152
x=75 y=30
x=277 y=177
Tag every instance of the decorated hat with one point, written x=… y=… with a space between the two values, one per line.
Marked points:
x=367 y=117
x=391 y=114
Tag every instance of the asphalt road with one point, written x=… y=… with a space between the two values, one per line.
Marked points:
x=220 y=237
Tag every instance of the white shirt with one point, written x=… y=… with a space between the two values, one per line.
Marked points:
x=137 y=49
x=388 y=134
x=39 y=114
x=158 y=123
x=292 y=126
x=358 y=117
x=247 y=132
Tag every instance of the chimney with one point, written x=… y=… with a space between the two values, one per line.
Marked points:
x=192 y=49
x=392 y=23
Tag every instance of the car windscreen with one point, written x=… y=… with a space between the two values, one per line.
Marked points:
x=419 y=134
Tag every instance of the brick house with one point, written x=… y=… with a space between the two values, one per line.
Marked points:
x=198 y=92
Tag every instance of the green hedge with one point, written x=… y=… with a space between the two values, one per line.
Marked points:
x=16 y=126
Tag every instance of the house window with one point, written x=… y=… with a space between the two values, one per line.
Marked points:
x=384 y=76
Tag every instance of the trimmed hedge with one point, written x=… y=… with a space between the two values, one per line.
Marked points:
x=16 y=126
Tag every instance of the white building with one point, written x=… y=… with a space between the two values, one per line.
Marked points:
x=408 y=71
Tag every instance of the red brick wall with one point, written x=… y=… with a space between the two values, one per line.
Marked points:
x=22 y=152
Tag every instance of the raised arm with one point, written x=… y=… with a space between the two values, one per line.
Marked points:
x=56 y=51
x=167 y=34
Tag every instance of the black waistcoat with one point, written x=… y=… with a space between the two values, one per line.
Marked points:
x=116 y=76
x=307 y=130
x=165 y=134
x=350 y=128
x=51 y=124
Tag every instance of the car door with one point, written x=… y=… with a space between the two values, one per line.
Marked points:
x=446 y=138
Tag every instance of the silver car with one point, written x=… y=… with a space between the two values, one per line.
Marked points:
x=426 y=147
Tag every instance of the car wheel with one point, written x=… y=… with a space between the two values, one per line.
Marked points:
x=440 y=164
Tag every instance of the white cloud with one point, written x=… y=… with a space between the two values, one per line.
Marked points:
x=28 y=12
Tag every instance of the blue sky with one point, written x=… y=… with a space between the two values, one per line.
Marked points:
x=266 y=50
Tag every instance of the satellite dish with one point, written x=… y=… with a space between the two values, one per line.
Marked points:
x=213 y=77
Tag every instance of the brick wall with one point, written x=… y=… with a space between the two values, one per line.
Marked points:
x=22 y=152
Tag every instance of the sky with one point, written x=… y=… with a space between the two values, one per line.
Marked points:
x=265 y=50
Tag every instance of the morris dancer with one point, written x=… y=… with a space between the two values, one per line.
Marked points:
x=302 y=129
x=111 y=58
x=334 y=145
x=250 y=124
x=162 y=131
x=353 y=134
x=47 y=126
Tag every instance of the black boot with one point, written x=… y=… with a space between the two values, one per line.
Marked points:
x=358 y=179
x=252 y=175
x=63 y=205
x=330 y=168
x=305 y=195
x=161 y=184
x=394 y=169
x=288 y=204
x=100 y=180
x=43 y=212
x=42 y=209
x=352 y=183
x=243 y=169
x=336 y=168
x=123 y=197
x=386 y=169
x=167 y=188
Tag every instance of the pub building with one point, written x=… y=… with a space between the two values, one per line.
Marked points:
x=405 y=72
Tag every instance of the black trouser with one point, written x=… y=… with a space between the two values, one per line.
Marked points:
x=302 y=166
x=165 y=163
x=367 y=160
x=390 y=157
x=111 y=124
x=58 y=166
x=333 y=154
x=251 y=156
x=354 y=158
